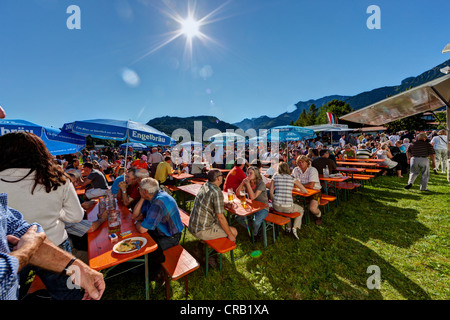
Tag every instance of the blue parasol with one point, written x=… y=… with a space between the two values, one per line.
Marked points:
x=57 y=142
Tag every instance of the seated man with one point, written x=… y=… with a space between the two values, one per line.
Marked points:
x=157 y=214
x=140 y=163
x=129 y=189
x=236 y=175
x=363 y=152
x=323 y=161
x=95 y=182
x=24 y=245
x=207 y=219
x=163 y=171
x=348 y=152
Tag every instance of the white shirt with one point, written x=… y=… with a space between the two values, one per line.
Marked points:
x=439 y=142
x=50 y=210
x=310 y=175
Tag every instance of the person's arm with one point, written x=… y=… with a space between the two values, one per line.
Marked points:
x=52 y=258
x=299 y=185
x=137 y=209
x=272 y=189
x=224 y=224
x=85 y=182
x=433 y=160
x=30 y=243
x=124 y=197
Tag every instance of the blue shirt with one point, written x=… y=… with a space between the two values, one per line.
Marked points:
x=162 y=213
x=115 y=185
x=11 y=223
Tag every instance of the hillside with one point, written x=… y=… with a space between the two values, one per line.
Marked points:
x=358 y=101
x=169 y=124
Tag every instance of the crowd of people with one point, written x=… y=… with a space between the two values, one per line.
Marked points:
x=44 y=223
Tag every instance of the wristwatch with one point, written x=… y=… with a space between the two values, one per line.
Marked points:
x=66 y=269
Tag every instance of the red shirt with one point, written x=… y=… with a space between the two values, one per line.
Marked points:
x=133 y=192
x=140 y=165
x=234 y=179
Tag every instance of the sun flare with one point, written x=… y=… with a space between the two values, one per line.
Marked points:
x=190 y=27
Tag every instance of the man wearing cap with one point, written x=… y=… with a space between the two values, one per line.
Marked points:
x=417 y=155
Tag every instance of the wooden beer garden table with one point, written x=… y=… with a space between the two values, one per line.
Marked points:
x=331 y=182
x=365 y=160
x=357 y=163
x=100 y=247
x=235 y=207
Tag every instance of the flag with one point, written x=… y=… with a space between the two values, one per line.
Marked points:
x=331 y=119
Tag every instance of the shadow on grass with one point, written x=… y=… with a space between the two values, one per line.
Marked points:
x=331 y=261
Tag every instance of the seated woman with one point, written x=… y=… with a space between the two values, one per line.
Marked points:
x=281 y=194
x=384 y=153
x=309 y=177
x=43 y=193
x=255 y=187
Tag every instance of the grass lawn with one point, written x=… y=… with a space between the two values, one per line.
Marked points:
x=405 y=233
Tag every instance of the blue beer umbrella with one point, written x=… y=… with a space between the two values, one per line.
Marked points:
x=57 y=142
x=288 y=133
x=135 y=145
x=128 y=130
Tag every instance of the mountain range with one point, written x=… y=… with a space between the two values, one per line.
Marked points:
x=169 y=124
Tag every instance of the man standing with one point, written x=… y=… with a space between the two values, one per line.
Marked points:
x=342 y=141
x=207 y=221
x=417 y=155
x=129 y=189
x=95 y=183
x=154 y=159
x=157 y=214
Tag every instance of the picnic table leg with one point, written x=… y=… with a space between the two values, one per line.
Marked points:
x=147 y=284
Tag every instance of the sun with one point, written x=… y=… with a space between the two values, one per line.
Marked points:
x=190 y=27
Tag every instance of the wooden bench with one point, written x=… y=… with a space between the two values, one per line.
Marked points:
x=179 y=263
x=219 y=246
x=185 y=220
x=274 y=221
x=347 y=186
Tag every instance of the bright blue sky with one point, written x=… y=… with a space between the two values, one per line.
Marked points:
x=266 y=56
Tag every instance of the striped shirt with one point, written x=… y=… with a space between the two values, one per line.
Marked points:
x=208 y=203
x=363 y=154
x=420 y=149
x=11 y=223
x=283 y=184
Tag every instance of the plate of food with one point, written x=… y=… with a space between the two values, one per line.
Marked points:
x=129 y=245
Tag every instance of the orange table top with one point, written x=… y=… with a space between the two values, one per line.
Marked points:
x=80 y=191
x=236 y=207
x=365 y=160
x=182 y=176
x=101 y=255
x=331 y=179
x=350 y=169
x=311 y=192
x=358 y=164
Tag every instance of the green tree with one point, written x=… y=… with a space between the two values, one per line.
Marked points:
x=337 y=107
x=312 y=115
x=302 y=120
x=411 y=123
